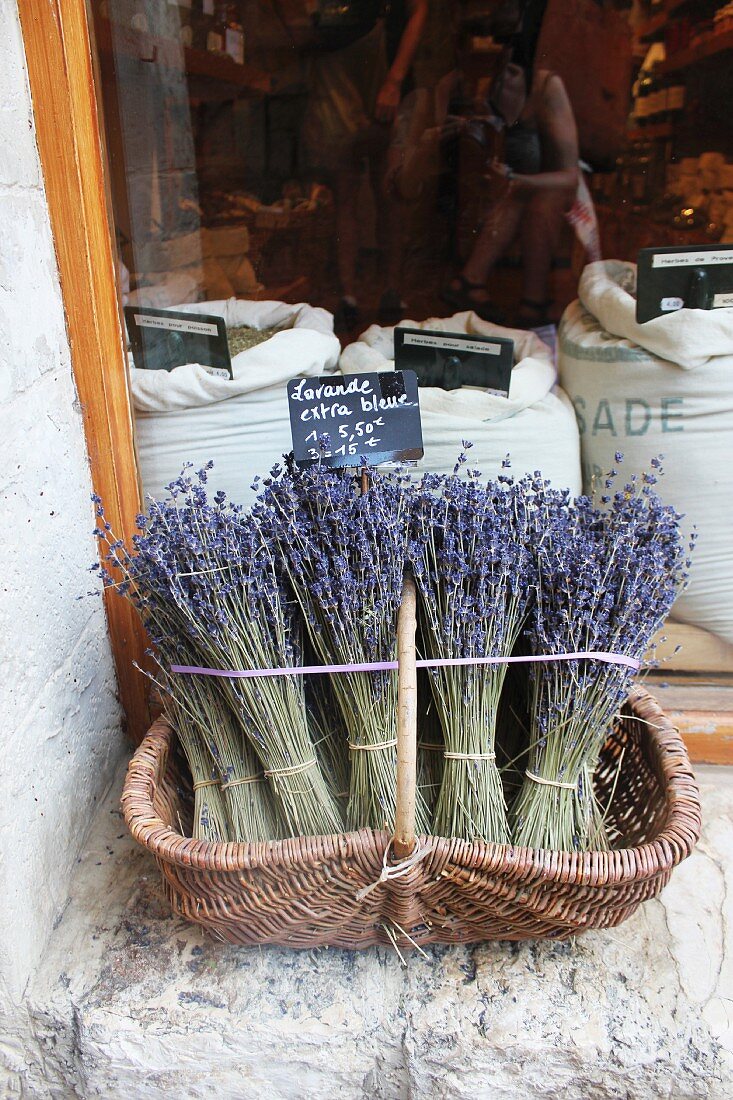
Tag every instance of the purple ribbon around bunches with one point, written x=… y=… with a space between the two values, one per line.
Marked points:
x=384 y=666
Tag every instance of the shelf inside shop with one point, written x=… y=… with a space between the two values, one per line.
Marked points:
x=651 y=27
x=208 y=68
x=296 y=290
x=654 y=132
x=714 y=46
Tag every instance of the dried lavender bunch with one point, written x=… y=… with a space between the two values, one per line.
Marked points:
x=149 y=581
x=607 y=577
x=250 y=810
x=344 y=553
x=474 y=574
x=210 y=820
x=207 y=585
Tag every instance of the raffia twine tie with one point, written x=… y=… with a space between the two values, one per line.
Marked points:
x=550 y=782
x=470 y=755
x=294 y=769
x=396 y=870
x=373 y=748
x=205 y=783
x=244 y=781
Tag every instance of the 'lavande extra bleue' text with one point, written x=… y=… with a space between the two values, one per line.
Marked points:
x=370 y=402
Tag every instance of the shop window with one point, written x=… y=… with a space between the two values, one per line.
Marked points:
x=419 y=159
x=381 y=159
x=353 y=155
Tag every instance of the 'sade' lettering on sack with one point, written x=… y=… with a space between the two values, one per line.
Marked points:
x=339 y=420
x=630 y=418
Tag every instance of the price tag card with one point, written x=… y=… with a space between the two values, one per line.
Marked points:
x=162 y=339
x=375 y=416
x=697 y=276
x=453 y=359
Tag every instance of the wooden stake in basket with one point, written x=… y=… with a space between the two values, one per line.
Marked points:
x=403 y=843
x=404 y=836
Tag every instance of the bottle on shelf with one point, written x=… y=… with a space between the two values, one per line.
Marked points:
x=651 y=90
x=670 y=201
x=180 y=22
x=657 y=100
x=201 y=19
x=643 y=92
x=676 y=97
x=217 y=30
x=233 y=34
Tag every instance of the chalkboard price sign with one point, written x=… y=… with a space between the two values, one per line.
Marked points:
x=340 y=420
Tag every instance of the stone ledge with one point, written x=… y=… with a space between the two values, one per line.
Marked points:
x=132 y=1004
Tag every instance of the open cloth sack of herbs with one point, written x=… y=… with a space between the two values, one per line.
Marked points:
x=663 y=387
x=242 y=423
x=535 y=423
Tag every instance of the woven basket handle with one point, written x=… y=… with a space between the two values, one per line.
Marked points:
x=404 y=834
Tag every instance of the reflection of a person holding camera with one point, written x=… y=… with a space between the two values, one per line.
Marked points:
x=532 y=189
x=355 y=94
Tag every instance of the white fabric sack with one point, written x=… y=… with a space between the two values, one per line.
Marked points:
x=535 y=425
x=664 y=387
x=189 y=415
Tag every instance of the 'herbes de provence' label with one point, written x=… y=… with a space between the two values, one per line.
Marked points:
x=693 y=258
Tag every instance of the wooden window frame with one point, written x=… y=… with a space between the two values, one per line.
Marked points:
x=70 y=143
x=61 y=68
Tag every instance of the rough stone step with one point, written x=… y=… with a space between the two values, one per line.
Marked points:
x=133 y=1004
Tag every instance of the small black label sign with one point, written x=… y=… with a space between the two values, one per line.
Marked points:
x=454 y=359
x=375 y=416
x=694 y=276
x=162 y=339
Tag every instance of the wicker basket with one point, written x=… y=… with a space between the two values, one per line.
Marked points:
x=303 y=892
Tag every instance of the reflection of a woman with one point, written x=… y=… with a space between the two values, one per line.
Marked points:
x=355 y=95
x=533 y=189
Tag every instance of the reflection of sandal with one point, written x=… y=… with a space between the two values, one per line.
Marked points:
x=391 y=307
x=347 y=314
x=461 y=298
x=533 y=314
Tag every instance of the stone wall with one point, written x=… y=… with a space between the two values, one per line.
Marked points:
x=59 y=718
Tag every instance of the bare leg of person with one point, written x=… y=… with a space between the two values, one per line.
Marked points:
x=383 y=161
x=494 y=237
x=390 y=220
x=346 y=186
x=540 y=235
